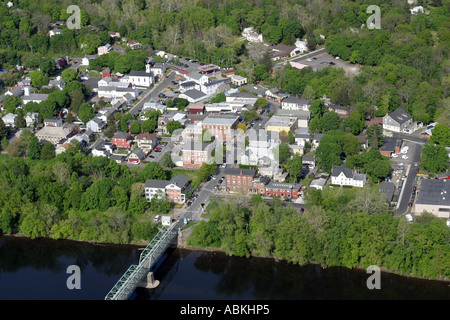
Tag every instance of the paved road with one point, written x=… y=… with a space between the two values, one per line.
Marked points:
x=410 y=181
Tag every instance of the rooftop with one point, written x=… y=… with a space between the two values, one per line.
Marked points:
x=220 y=120
x=434 y=192
x=400 y=116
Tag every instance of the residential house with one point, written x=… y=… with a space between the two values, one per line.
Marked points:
x=146 y=141
x=302 y=137
x=343 y=176
x=53 y=122
x=319 y=182
x=136 y=156
x=104 y=49
x=32 y=118
x=96 y=124
x=276 y=94
x=391 y=145
x=397 y=121
x=188 y=85
x=175 y=190
x=122 y=139
x=238 y=80
x=433 y=197
x=158 y=69
x=388 y=189
x=16 y=91
x=294 y=103
x=118 y=158
x=10 y=119
x=342 y=111
x=197 y=77
x=103 y=149
x=281 y=51
x=35 y=97
x=87 y=58
x=134 y=44
x=54 y=32
x=316 y=140
x=114 y=34
x=309 y=161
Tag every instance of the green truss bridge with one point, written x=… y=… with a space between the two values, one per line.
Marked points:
x=136 y=275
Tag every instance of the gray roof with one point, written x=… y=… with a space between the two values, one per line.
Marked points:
x=434 y=192
x=180 y=180
x=152 y=183
x=308 y=158
x=400 y=115
x=220 y=120
x=36 y=96
x=139 y=153
x=338 y=169
x=194 y=94
x=282 y=185
x=292 y=99
x=139 y=73
x=390 y=144
x=388 y=189
x=121 y=135
x=188 y=84
x=239 y=171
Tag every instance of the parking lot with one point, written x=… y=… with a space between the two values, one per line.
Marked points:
x=325 y=59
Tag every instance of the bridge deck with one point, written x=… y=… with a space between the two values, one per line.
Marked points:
x=136 y=273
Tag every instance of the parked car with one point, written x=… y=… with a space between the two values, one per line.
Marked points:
x=410 y=204
x=156 y=219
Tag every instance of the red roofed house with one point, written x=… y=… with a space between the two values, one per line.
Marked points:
x=122 y=140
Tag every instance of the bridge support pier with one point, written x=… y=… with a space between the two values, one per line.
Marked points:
x=149 y=282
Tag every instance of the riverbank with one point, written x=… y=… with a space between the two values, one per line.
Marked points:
x=183 y=245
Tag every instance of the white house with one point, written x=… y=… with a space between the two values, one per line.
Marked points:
x=197 y=77
x=54 y=32
x=301 y=45
x=31 y=118
x=104 y=49
x=87 y=58
x=96 y=124
x=343 y=176
x=294 y=103
x=398 y=121
x=10 y=119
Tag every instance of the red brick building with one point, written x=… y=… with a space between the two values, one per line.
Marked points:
x=286 y=190
x=196 y=153
x=244 y=181
x=122 y=140
x=221 y=127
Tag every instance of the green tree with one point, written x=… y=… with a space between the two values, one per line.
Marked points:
x=434 y=158
x=47 y=66
x=69 y=75
x=294 y=167
x=261 y=103
x=173 y=125
x=86 y=112
x=38 y=78
x=34 y=148
x=21 y=123
x=330 y=121
x=441 y=135
x=135 y=127
x=149 y=125
x=47 y=151
x=166 y=160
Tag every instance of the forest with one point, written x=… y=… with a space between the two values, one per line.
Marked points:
x=338 y=229
x=77 y=197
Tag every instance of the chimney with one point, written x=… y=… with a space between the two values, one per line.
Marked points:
x=147 y=68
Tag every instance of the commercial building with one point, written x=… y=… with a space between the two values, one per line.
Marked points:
x=434 y=197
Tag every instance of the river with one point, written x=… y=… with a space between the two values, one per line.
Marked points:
x=37 y=269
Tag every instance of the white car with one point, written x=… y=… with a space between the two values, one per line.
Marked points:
x=394 y=155
x=405 y=157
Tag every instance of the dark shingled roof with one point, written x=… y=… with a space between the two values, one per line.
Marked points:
x=400 y=116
